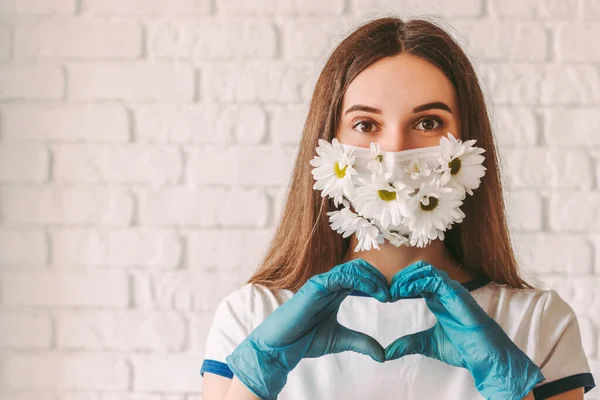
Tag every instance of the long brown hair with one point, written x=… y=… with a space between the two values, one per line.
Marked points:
x=304 y=244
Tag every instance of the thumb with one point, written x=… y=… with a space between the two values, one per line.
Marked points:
x=415 y=343
x=350 y=340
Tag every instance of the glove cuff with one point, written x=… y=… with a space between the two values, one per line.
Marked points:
x=536 y=378
x=501 y=385
x=259 y=371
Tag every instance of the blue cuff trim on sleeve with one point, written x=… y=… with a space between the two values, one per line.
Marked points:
x=216 y=367
x=565 y=384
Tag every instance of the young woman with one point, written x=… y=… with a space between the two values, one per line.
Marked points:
x=346 y=307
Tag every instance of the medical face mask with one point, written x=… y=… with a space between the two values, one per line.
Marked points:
x=407 y=197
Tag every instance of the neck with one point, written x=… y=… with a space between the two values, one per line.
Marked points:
x=391 y=259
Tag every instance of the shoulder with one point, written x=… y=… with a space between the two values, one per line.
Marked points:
x=509 y=305
x=556 y=307
x=251 y=303
x=557 y=316
x=239 y=295
x=505 y=294
x=536 y=295
x=255 y=294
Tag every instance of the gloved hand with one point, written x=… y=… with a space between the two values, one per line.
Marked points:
x=306 y=326
x=464 y=335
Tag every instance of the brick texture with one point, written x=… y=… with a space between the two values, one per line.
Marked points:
x=132 y=131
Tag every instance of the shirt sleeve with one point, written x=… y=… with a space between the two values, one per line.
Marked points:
x=564 y=364
x=232 y=323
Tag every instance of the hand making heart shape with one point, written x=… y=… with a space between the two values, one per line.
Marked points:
x=306 y=326
x=463 y=336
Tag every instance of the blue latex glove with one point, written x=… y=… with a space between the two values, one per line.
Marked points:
x=306 y=326
x=464 y=335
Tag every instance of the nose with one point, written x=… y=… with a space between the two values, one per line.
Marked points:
x=396 y=139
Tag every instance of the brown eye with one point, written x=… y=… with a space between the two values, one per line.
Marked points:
x=366 y=126
x=428 y=124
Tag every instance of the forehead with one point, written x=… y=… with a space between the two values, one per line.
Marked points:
x=398 y=83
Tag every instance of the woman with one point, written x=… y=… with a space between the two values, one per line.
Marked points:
x=457 y=320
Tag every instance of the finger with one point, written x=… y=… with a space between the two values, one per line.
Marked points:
x=351 y=340
x=415 y=343
x=368 y=268
x=449 y=304
x=408 y=270
x=406 y=289
x=307 y=308
x=362 y=267
x=428 y=285
x=368 y=285
x=440 y=283
x=363 y=273
x=425 y=270
x=318 y=297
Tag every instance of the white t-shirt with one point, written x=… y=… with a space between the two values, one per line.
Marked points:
x=538 y=321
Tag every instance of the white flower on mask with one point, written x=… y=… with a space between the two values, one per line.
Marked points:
x=397 y=235
x=343 y=221
x=417 y=169
x=433 y=209
x=397 y=239
x=421 y=203
x=461 y=164
x=346 y=222
x=382 y=200
x=334 y=170
x=368 y=236
x=375 y=162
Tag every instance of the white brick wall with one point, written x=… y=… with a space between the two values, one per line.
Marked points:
x=131 y=129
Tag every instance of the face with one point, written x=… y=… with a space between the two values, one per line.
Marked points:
x=401 y=103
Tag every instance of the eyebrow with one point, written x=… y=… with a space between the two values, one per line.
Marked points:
x=434 y=105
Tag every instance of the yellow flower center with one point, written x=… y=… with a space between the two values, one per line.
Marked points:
x=386 y=195
x=433 y=202
x=340 y=173
x=379 y=157
x=454 y=166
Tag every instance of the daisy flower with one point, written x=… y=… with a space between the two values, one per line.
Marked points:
x=433 y=209
x=333 y=170
x=396 y=238
x=368 y=236
x=382 y=200
x=397 y=235
x=461 y=163
x=344 y=221
x=347 y=222
x=375 y=161
x=417 y=169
